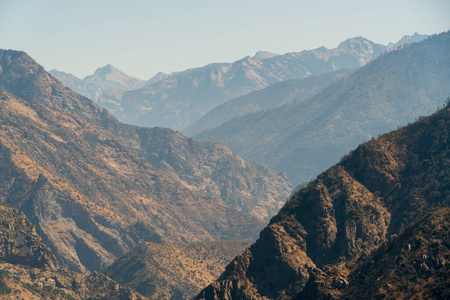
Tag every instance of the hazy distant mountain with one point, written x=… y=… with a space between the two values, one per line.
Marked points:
x=95 y=187
x=273 y=96
x=69 y=80
x=351 y=233
x=158 y=77
x=182 y=98
x=264 y=55
x=105 y=78
x=304 y=138
x=409 y=39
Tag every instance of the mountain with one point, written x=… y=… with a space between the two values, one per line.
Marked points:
x=304 y=138
x=271 y=97
x=20 y=243
x=414 y=264
x=29 y=270
x=409 y=39
x=158 y=77
x=173 y=271
x=264 y=55
x=103 y=79
x=212 y=169
x=87 y=180
x=350 y=210
x=181 y=99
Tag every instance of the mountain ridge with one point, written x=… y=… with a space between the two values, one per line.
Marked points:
x=67 y=163
x=310 y=136
x=375 y=192
x=183 y=97
x=103 y=79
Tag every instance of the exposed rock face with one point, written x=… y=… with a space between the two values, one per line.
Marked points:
x=85 y=179
x=354 y=207
x=28 y=268
x=173 y=271
x=103 y=79
x=19 y=242
x=415 y=264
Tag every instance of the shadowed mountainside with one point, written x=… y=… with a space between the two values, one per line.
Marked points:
x=376 y=191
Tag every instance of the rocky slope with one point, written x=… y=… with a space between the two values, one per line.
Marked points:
x=20 y=243
x=214 y=170
x=103 y=79
x=173 y=271
x=415 y=264
x=29 y=270
x=85 y=179
x=375 y=192
x=295 y=90
x=303 y=139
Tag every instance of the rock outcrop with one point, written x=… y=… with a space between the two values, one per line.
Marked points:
x=19 y=242
x=353 y=208
x=29 y=270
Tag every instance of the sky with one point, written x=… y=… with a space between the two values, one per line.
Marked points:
x=143 y=38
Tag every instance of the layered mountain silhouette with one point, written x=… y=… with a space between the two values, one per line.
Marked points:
x=319 y=245
x=271 y=97
x=183 y=98
x=95 y=187
x=103 y=79
x=29 y=269
x=305 y=137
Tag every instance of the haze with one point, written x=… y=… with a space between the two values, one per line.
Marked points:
x=145 y=37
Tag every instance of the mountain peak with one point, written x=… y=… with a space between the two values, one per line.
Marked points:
x=102 y=71
x=409 y=39
x=264 y=55
x=350 y=43
x=158 y=77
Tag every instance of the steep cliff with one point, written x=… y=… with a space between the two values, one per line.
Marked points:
x=376 y=191
x=29 y=270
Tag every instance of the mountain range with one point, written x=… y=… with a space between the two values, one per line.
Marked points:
x=261 y=100
x=304 y=137
x=160 y=213
x=103 y=79
x=352 y=232
x=90 y=183
x=181 y=98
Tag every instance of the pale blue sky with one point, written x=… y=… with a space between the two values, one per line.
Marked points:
x=145 y=37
